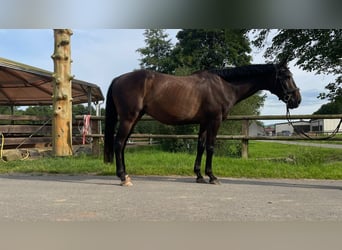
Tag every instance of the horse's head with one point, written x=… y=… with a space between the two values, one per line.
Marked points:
x=286 y=89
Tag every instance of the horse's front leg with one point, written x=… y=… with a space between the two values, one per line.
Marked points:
x=200 y=149
x=211 y=138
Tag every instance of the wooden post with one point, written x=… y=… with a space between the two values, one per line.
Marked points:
x=244 y=152
x=62 y=96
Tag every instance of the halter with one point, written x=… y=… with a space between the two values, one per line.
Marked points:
x=287 y=92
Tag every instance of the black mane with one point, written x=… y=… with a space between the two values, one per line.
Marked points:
x=244 y=71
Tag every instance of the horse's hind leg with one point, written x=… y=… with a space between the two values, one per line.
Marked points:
x=121 y=137
x=200 y=149
x=211 y=138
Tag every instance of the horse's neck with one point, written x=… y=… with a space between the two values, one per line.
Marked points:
x=247 y=89
x=248 y=86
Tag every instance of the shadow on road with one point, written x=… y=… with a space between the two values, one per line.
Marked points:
x=114 y=181
x=256 y=182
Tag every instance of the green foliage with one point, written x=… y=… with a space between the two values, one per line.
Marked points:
x=38 y=110
x=147 y=127
x=333 y=107
x=80 y=109
x=199 y=49
x=226 y=148
x=7 y=110
x=316 y=50
x=156 y=54
x=179 y=145
x=249 y=106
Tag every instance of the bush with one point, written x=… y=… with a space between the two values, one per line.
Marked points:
x=178 y=145
x=228 y=148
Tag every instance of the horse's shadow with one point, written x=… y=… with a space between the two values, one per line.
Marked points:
x=254 y=182
x=114 y=181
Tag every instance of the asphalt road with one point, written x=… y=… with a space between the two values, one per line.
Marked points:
x=27 y=198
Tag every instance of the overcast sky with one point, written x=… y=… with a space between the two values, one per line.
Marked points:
x=99 y=55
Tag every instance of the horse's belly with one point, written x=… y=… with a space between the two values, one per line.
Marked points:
x=174 y=113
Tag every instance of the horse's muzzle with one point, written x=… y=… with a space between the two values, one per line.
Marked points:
x=294 y=101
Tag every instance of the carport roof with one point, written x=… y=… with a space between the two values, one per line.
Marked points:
x=24 y=85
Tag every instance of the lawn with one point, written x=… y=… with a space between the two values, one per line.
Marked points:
x=266 y=160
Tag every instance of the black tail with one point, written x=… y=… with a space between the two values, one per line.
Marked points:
x=111 y=119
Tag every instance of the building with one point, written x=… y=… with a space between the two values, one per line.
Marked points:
x=286 y=129
x=256 y=129
x=270 y=130
x=324 y=125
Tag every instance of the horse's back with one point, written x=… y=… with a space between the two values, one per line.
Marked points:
x=168 y=98
x=130 y=81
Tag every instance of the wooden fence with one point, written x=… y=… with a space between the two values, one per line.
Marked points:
x=35 y=131
x=244 y=137
x=30 y=131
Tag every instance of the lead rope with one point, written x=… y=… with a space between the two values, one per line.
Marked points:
x=46 y=122
x=303 y=134
x=27 y=152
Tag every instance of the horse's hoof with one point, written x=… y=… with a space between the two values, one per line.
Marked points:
x=215 y=182
x=127 y=182
x=201 y=180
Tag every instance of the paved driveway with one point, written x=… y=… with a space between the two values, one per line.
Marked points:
x=96 y=198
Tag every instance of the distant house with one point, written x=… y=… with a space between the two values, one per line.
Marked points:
x=324 y=125
x=270 y=130
x=313 y=126
x=286 y=129
x=256 y=129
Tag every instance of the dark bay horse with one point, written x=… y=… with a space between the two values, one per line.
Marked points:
x=203 y=98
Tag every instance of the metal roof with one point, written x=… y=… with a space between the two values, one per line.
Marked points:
x=24 y=85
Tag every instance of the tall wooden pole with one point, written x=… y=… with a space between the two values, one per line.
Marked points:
x=62 y=97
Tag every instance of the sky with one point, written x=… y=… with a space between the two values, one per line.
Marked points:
x=99 y=55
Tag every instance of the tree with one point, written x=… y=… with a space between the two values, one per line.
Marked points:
x=313 y=49
x=7 y=110
x=333 y=107
x=199 y=49
x=156 y=54
x=39 y=110
x=80 y=109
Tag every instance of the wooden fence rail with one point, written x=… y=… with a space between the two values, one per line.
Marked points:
x=19 y=127
x=244 y=137
x=243 y=117
x=28 y=131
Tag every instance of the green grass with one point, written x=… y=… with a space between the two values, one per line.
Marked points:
x=266 y=161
